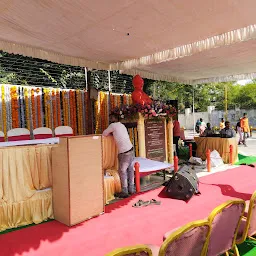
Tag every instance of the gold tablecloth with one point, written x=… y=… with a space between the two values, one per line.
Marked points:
x=24 y=174
x=109 y=189
x=26 y=180
x=219 y=144
x=110 y=166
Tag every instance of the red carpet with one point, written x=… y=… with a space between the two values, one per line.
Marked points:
x=123 y=225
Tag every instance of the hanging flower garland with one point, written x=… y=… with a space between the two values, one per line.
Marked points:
x=79 y=112
x=102 y=110
x=27 y=108
x=125 y=100
x=54 y=109
x=107 y=109
x=83 y=111
x=58 y=107
x=39 y=107
x=65 y=112
x=33 y=103
x=31 y=107
x=97 y=116
x=46 y=107
x=4 y=115
x=22 y=108
x=15 y=107
x=72 y=111
x=8 y=107
x=87 y=102
x=136 y=142
x=1 y=110
x=112 y=102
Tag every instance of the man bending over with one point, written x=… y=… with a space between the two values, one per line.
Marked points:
x=125 y=156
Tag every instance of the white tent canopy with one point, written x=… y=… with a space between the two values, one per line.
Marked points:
x=179 y=40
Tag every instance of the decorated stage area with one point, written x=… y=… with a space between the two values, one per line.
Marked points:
x=123 y=225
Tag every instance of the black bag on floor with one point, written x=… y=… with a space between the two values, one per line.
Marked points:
x=183 y=185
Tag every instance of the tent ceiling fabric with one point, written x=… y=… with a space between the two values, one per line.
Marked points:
x=171 y=40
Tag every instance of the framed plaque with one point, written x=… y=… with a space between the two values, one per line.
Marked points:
x=155 y=139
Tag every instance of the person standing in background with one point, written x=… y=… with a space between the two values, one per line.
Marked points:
x=222 y=124
x=202 y=126
x=176 y=135
x=245 y=126
x=240 y=132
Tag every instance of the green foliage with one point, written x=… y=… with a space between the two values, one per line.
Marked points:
x=212 y=94
x=17 y=69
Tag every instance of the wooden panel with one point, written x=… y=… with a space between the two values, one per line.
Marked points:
x=60 y=175
x=86 y=177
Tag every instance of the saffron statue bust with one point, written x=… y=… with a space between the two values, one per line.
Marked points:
x=138 y=95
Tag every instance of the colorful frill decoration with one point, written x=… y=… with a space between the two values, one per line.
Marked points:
x=33 y=107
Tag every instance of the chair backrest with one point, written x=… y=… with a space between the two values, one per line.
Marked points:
x=42 y=133
x=137 y=250
x=224 y=221
x=250 y=226
x=61 y=131
x=17 y=134
x=189 y=240
x=2 y=136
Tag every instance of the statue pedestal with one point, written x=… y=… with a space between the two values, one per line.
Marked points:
x=155 y=139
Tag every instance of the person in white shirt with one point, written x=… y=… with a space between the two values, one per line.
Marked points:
x=202 y=126
x=125 y=154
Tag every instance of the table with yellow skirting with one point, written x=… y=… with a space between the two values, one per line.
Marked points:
x=110 y=167
x=222 y=145
x=109 y=189
x=26 y=178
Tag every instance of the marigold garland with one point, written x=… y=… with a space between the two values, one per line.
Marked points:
x=58 y=107
x=15 y=107
x=27 y=112
x=79 y=112
x=36 y=107
x=136 y=142
x=97 y=117
x=4 y=115
x=54 y=109
x=39 y=106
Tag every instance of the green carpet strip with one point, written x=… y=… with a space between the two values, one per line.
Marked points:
x=246 y=160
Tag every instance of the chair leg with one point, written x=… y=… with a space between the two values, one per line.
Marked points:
x=252 y=238
x=236 y=251
x=227 y=254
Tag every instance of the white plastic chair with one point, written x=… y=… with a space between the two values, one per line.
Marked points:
x=63 y=131
x=42 y=133
x=2 y=136
x=18 y=134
